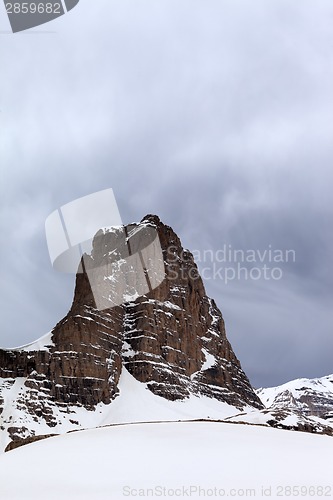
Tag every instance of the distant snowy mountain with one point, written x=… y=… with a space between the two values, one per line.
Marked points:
x=302 y=404
x=308 y=397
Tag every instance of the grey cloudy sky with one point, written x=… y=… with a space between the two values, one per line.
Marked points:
x=215 y=115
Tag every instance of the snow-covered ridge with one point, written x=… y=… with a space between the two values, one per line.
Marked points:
x=301 y=404
x=111 y=229
x=295 y=387
x=41 y=344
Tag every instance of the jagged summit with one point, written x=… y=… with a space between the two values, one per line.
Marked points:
x=153 y=219
x=301 y=404
x=170 y=339
x=309 y=397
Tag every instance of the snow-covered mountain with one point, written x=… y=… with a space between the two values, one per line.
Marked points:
x=160 y=356
x=301 y=404
x=308 y=397
x=168 y=343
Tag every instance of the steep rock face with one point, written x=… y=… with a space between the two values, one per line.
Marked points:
x=82 y=365
x=175 y=335
x=172 y=337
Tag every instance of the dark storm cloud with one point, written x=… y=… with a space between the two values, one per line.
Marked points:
x=217 y=116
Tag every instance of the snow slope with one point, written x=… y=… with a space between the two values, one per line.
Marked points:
x=174 y=458
x=135 y=403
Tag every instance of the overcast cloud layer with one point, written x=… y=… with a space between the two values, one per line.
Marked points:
x=215 y=115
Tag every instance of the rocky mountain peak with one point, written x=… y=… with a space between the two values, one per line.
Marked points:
x=139 y=305
x=152 y=219
x=173 y=336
